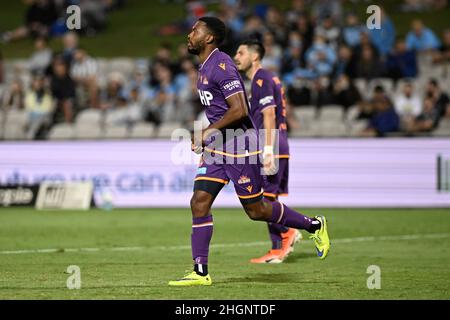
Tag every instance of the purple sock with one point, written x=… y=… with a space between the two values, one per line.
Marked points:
x=282 y=214
x=275 y=231
x=202 y=230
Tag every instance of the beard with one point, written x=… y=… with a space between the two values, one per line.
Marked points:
x=194 y=50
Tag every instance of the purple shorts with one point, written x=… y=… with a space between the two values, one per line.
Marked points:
x=247 y=179
x=277 y=184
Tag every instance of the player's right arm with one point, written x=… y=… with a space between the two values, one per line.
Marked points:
x=236 y=112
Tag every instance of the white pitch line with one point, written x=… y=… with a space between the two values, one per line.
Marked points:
x=231 y=245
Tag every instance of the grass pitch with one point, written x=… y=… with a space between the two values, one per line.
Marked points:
x=132 y=254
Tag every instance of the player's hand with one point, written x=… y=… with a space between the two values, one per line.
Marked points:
x=197 y=144
x=269 y=164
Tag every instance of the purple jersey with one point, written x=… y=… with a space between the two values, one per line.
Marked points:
x=218 y=79
x=267 y=91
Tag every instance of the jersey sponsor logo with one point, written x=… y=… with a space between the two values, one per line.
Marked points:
x=201 y=170
x=232 y=85
x=244 y=179
x=205 y=97
x=260 y=82
x=222 y=65
x=266 y=100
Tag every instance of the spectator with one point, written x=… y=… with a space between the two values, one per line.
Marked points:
x=13 y=97
x=427 y=120
x=39 y=105
x=162 y=108
x=113 y=96
x=443 y=55
x=345 y=92
x=2 y=75
x=352 y=30
x=440 y=98
x=70 y=46
x=368 y=66
x=39 y=17
x=321 y=9
x=320 y=58
x=421 y=38
x=188 y=104
x=408 y=104
x=139 y=83
x=364 y=41
x=63 y=90
x=273 y=56
x=384 y=119
x=345 y=63
x=275 y=24
x=295 y=12
x=401 y=62
x=84 y=72
x=383 y=38
x=329 y=31
x=253 y=28
x=292 y=58
x=366 y=110
x=41 y=59
x=306 y=30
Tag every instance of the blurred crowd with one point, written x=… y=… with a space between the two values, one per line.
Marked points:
x=324 y=55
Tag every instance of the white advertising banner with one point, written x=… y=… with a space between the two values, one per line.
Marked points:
x=404 y=172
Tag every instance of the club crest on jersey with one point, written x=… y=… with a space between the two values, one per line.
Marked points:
x=222 y=65
x=243 y=179
x=249 y=189
x=260 y=82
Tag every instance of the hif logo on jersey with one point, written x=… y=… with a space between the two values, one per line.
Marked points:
x=205 y=97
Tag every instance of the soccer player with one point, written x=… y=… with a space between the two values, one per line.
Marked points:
x=268 y=111
x=222 y=92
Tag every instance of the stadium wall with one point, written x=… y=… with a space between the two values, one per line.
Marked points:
x=401 y=172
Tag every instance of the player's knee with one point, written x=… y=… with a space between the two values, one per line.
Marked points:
x=253 y=211
x=199 y=206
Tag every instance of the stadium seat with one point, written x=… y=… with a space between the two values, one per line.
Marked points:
x=116 y=132
x=352 y=113
x=2 y=124
x=330 y=128
x=331 y=113
x=443 y=130
x=114 y=117
x=306 y=116
x=361 y=85
x=89 y=116
x=123 y=65
x=62 y=131
x=166 y=129
x=142 y=130
x=87 y=131
x=14 y=132
x=354 y=128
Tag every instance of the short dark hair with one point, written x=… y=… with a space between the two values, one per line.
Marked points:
x=433 y=82
x=217 y=28
x=256 y=45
